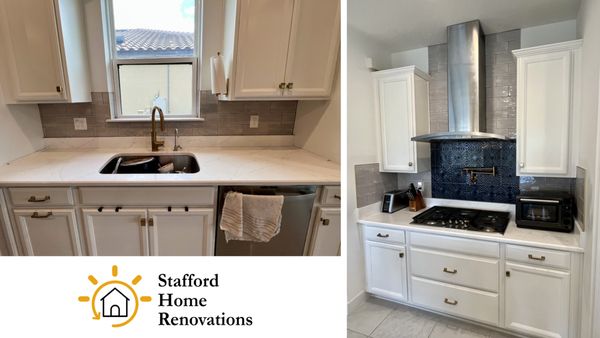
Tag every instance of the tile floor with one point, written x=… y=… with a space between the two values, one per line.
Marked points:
x=377 y=318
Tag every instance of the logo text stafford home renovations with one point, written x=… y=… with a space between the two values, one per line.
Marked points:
x=169 y=300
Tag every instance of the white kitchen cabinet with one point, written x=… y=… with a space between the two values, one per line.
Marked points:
x=112 y=233
x=537 y=300
x=386 y=270
x=402 y=112
x=548 y=109
x=45 y=51
x=181 y=233
x=48 y=232
x=328 y=231
x=281 y=49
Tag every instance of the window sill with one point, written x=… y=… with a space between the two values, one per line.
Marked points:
x=174 y=119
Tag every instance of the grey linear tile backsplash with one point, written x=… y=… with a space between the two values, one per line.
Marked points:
x=220 y=118
x=372 y=184
x=501 y=78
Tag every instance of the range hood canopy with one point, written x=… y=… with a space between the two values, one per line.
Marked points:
x=466 y=85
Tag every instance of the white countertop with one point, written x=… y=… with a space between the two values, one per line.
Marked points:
x=543 y=239
x=218 y=166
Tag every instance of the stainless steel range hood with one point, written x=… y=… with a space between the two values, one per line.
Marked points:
x=466 y=85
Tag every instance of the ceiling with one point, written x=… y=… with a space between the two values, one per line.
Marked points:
x=407 y=24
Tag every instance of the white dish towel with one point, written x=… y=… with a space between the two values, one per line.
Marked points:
x=254 y=218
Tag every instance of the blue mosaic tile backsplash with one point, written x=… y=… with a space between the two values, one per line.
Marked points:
x=448 y=158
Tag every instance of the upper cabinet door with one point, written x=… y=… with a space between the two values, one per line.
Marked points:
x=31 y=39
x=547 y=109
x=395 y=104
x=51 y=232
x=112 y=233
x=181 y=233
x=313 y=48
x=262 y=47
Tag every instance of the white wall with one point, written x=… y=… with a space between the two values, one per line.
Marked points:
x=361 y=140
x=317 y=127
x=212 y=41
x=418 y=57
x=588 y=28
x=20 y=131
x=550 y=33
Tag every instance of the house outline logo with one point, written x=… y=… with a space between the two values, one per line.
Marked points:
x=114 y=296
x=111 y=307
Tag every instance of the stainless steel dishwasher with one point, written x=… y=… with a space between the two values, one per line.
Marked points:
x=295 y=222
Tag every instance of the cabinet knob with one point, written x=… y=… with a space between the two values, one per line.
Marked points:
x=401 y=255
x=59 y=89
x=290 y=85
x=325 y=221
x=142 y=221
x=521 y=165
x=410 y=164
x=282 y=85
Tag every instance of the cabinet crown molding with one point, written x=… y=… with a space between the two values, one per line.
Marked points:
x=554 y=47
x=403 y=70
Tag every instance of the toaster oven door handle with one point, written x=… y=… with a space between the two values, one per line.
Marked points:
x=539 y=201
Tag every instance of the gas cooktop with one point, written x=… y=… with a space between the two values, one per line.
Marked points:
x=465 y=219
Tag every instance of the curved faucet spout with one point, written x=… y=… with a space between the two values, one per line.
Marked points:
x=155 y=143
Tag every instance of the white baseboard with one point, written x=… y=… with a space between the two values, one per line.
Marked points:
x=357 y=300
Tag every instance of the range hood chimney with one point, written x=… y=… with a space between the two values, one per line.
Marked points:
x=466 y=85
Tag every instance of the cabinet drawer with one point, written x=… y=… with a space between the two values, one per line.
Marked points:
x=537 y=256
x=331 y=196
x=455 y=244
x=480 y=273
x=40 y=196
x=464 y=302
x=384 y=235
x=148 y=196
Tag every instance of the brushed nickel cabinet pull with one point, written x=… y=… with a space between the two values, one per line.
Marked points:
x=325 y=221
x=37 y=215
x=451 y=302
x=34 y=199
x=383 y=236
x=337 y=197
x=401 y=255
x=453 y=271
x=541 y=258
x=143 y=221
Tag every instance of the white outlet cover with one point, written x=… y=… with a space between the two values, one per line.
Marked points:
x=80 y=123
x=253 y=121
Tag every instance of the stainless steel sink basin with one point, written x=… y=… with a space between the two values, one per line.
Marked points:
x=150 y=163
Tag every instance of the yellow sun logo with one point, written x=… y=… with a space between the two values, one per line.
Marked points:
x=111 y=299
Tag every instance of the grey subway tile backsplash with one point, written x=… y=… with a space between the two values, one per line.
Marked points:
x=501 y=79
x=372 y=184
x=220 y=118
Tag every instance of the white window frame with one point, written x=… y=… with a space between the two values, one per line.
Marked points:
x=115 y=62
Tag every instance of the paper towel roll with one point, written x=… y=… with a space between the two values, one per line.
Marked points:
x=217 y=75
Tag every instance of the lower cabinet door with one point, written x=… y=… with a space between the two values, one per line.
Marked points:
x=116 y=233
x=326 y=241
x=48 y=232
x=386 y=270
x=181 y=233
x=537 y=301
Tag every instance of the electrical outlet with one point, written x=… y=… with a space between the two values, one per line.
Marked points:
x=80 y=123
x=253 y=121
x=421 y=186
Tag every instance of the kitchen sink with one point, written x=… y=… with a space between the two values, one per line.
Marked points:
x=151 y=164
